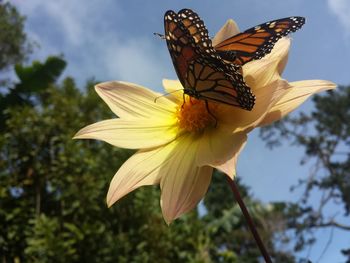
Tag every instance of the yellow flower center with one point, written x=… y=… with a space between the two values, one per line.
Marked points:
x=194 y=115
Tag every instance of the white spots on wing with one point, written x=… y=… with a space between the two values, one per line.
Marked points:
x=295 y=19
x=272 y=25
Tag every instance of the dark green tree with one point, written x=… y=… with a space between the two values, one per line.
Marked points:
x=324 y=134
x=34 y=80
x=14 y=46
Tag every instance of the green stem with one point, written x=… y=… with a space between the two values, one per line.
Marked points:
x=250 y=222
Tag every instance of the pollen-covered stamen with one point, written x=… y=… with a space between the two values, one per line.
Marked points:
x=194 y=115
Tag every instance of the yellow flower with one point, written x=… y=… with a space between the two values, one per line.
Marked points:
x=179 y=141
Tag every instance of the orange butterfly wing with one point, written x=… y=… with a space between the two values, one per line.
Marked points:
x=202 y=72
x=258 y=41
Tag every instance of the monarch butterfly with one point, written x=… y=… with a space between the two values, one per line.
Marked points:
x=257 y=41
x=202 y=72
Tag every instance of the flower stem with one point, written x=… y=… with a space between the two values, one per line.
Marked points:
x=250 y=222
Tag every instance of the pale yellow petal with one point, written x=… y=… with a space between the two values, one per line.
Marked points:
x=280 y=53
x=300 y=92
x=185 y=193
x=131 y=134
x=128 y=100
x=238 y=119
x=175 y=90
x=259 y=73
x=143 y=168
x=228 y=30
x=183 y=183
x=229 y=167
x=282 y=49
x=262 y=72
x=219 y=149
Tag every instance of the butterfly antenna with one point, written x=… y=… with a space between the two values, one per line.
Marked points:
x=166 y=94
x=159 y=35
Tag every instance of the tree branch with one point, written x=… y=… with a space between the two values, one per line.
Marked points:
x=331 y=223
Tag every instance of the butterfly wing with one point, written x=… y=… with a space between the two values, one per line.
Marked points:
x=197 y=30
x=258 y=41
x=180 y=45
x=209 y=80
x=203 y=74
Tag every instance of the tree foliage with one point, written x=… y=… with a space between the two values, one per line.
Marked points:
x=13 y=40
x=34 y=80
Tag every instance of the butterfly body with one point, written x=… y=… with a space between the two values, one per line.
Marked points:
x=202 y=72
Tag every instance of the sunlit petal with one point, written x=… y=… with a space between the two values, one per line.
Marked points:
x=183 y=183
x=131 y=134
x=143 y=168
x=259 y=73
x=281 y=50
x=219 y=148
x=300 y=92
x=280 y=53
x=175 y=90
x=239 y=119
x=133 y=101
x=228 y=30
x=229 y=167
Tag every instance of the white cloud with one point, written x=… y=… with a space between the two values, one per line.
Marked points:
x=86 y=32
x=74 y=19
x=341 y=8
x=136 y=60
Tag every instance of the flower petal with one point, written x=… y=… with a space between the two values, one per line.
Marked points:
x=229 y=167
x=294 y=97
x=220 y=149
x=281 y=49
x=131 y=134
x=175 y=90
x=280 y=53
x=143 y=168
x=262 y=72
x=238 y=119
x=228 y=30
x=129 y=100
x=183 y=183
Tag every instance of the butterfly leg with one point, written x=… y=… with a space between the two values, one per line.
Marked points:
x=184 y=100
x=211 y=114
x=159 y=35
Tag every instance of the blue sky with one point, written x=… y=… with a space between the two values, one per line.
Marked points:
x=113 y=40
